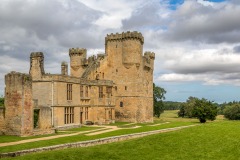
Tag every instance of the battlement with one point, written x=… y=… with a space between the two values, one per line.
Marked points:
x=64 y=63
x=36 y=54
x=77 y=51
x=17 y=76
x=125 y=35
x=150 y=55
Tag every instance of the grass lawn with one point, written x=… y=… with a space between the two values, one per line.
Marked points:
x=213 y=140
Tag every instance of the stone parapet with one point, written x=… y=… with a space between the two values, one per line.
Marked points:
x=125 y=35
x=36 y=54
x=77 y=51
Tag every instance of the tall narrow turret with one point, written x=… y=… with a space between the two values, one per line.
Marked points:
x=77 y=57
x=36 y=65
x=64 y=68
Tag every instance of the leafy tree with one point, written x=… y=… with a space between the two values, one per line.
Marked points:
x=186 y=109
x=204 y=110
x=232 y=112
x=158 y=97
x=1 y=101
x=170 y=105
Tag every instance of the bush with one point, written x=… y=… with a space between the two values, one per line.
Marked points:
x=186 y=109
x=204 y=110
x=232 y=112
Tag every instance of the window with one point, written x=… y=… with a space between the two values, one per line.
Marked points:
x=68 y=115
x=86 y=91
x=86 y=113
x=110 y=114
x=109 y=92
x=100 y=91
x=125 y=88
x=81 y=91
x=69 y=91
x=121 y=104
x=36 y=118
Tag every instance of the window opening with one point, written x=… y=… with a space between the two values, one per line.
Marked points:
x=36 y=118
x=121 y=104
x=100 y=91
x=69 y=91
x=68 y=115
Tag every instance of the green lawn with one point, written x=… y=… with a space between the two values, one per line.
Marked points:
x=207 y=141
x=82 y=137
x=217 y=140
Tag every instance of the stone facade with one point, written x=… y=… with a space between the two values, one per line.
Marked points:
x=115 y=86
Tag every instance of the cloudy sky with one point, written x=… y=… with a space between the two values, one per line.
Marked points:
x=197 y=42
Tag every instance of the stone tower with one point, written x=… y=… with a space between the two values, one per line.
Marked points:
x=64 y=68
x=36 y=65
x=133 y=79
x=77 y=57
x=19 y=104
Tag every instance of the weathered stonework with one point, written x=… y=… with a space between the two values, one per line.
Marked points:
x=117 y=85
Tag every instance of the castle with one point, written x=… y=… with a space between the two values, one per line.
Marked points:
x=102 y=89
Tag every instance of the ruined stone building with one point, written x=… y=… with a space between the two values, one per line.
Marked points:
x=115 y=86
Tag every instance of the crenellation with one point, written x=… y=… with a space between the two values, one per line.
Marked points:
x=124 y=36
x=77 y=51
x=150 y=55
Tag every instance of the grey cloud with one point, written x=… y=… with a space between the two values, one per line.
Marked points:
x=144 y=17
x=195 y=22
x=207 y=68
x=236 y=49
x=47 y=26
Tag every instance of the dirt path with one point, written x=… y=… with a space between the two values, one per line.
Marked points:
x=46 y=138
x=159 y=124
x=91 y=133
x=111 y=128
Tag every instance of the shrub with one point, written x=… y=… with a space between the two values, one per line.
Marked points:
x=232 y=112
x=204 y=110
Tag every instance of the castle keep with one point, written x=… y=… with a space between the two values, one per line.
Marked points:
x=115 y=86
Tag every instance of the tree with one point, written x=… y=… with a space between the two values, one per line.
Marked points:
x=232 y=112
x=204 y=110
x=1 y=101
x=186 y=109
x=158 y=97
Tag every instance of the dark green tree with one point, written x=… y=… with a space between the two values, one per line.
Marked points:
x=204 y=110
x=232 y=112
x=186 y=109
x=158 y=97
x=1 y=101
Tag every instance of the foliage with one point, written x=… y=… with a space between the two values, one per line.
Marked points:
x=199 y=108
x=213 y=141
x=232 y=112
x=204 y=110
x=1 y=101
x=222 y=106
x=158 y=97
x=170 y=105
x=186 y=109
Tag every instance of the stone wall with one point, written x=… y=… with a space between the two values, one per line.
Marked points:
x=2 y=120
x=18 y=104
